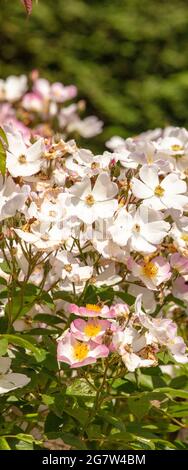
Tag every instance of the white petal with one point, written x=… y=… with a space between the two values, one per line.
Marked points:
x=173 y=185
x=149 y=175
x=81 y=190
x=154 y=232
x=104 y=188
x=140 y=190
x=35 y=151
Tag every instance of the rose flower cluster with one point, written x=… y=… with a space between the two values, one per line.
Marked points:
x=36 y=108
x=71 y=220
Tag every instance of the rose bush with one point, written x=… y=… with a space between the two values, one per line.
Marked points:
x=93 y=271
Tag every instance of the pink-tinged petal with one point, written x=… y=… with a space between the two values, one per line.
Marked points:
x=73 y=308
x=78 y=324
x=180 y=263
x=84 y=311
x=107 y=312
x=85 y=362
x=93 y=329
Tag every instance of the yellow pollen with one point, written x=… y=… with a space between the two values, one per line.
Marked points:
x=93 y=307
x=149 y=269
x=95 y=165
x=26 y=228
x=92 y=329
x=80 y=351
x=184 y=237
x=89 y=200
x=22 y=159
x=68 y=268
x=176 y=147
x=159 y=191
x=128 y=348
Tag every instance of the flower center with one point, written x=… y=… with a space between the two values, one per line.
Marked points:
x=89 y=200
x=22 y=159
x=176 y=147
x=136 y=228
x=92 y=329
x=149 y=269
x=94 y=308
x=52 y=213
x=80 y=351
x=159 y=191
x=45 y=237
x=128 y=348
x=68 y=268
x=95 y=165
x=184 y=237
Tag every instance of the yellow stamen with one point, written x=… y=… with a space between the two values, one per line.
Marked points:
x=95 y=165
x=176 y=147
x=159 y=191
x=149 y=269
x=80 y=351
x=68 y=268
x=52 y=213
x=90 y=200
x=93 y=307
x=184 y=237
x=22 y=159
x=92 y=329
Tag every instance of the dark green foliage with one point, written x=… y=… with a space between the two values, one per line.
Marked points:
x=127 y=57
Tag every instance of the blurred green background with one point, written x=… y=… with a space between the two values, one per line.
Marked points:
x=128 y=57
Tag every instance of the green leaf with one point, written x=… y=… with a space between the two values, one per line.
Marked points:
x=4 y=444
x=139 y=406
x=173 y=392
x=41 y=331
x=2 y=159
x=3 y=346
x=63 y=295
x=48 y=319
x=53 y=423
x=17 y=340
x=25 y=437
x=179 y=382
x=127 y=298
x=77 y=413
x=80 y=387
x=3 y=135
x=48 y=399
